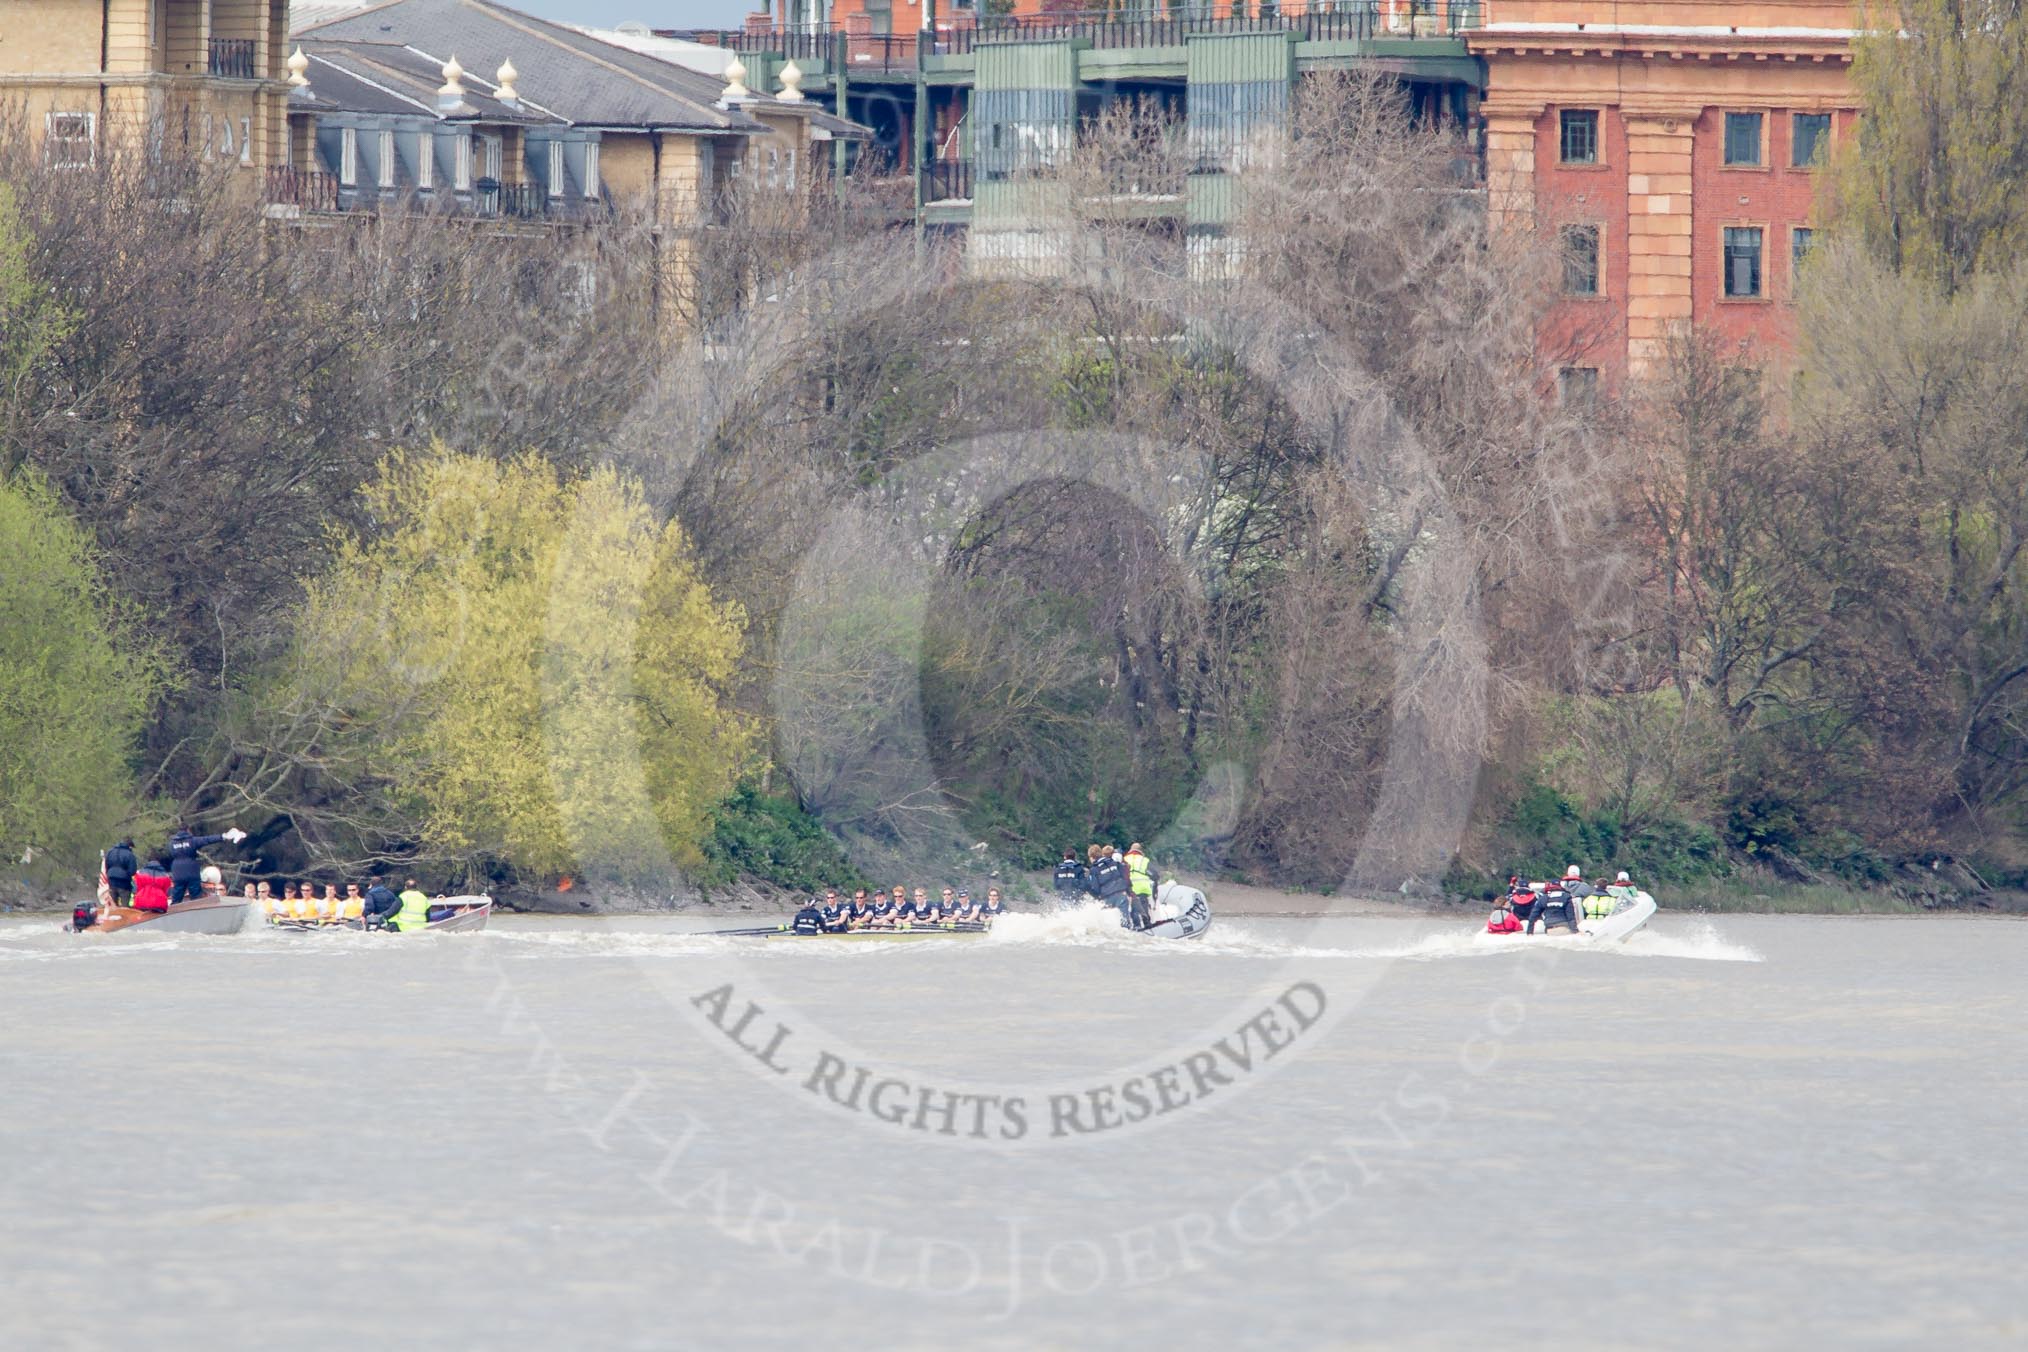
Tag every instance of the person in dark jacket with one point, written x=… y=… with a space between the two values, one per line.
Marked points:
x=185 y=870
x=1109 y=883
x=382 y=902
x=1069 y=877
x=121 y=864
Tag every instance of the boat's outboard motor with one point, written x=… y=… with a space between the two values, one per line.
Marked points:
x=83 y=916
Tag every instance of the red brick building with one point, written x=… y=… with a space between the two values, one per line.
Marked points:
x=1676 y=145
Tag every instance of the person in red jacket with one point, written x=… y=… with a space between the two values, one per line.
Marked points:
x=1502 y=921
x=151 y=887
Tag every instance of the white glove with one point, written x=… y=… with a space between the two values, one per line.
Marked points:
x=235 y=835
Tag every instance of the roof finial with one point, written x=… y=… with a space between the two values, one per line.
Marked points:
x=297 y=64
x=735 y=80
x=792 y=83
x=505 y=78
x=451 y=98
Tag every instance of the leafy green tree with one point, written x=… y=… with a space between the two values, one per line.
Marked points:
x=1937 y=180
x=516 y=670
x=75 y=687
x=32 y=321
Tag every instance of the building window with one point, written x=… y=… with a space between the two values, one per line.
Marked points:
x=556 y=168
x=1577 y=387
x=1580 y=260
x=462 y=168
x=246 y=140
x=70 y=140
x=490 y=145
x=1579 y=139
x=426 y=161
x=1809 y=137
x=591 y=169
x=348 y=158
x=1801 y=237
x=1742 y=261
x=387 y=159
x=226 y=144
x=1742 y=139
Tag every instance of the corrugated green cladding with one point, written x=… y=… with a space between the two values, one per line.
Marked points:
x=1023 y=119
x=1239 y=92
x=1241 y=58
x=1027 y=65
x=1209 y=199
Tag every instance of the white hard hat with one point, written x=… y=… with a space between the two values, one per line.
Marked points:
x=211 y=874
x=1572 y=872
x=1623 y=878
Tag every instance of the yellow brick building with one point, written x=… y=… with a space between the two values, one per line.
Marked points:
x=89 y=78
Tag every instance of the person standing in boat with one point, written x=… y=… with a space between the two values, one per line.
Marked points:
x=414 y=913
x=185 y=872
x=1069 y=878
x=1140 y=888
x=121 y=865
x=1109 y=883
x=382 y=904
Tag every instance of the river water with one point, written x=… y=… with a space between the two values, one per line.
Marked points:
x=1765 y=1132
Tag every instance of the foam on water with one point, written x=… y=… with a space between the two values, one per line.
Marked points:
x=1696 y=941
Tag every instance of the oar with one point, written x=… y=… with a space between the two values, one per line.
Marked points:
x=743 y=933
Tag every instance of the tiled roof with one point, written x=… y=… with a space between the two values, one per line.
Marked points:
x=385 y=77
x=562 y=70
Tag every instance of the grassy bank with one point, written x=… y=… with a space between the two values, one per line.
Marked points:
x=1744 y=896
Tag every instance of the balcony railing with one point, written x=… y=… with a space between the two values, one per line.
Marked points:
x=230 y=59
x=314 y=191
x=304 y=188
x=1156 y=25
x=947 y=181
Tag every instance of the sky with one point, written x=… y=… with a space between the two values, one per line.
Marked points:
x=654 y=13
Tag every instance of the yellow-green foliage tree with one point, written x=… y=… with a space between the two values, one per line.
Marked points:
x=1937 y=180
x=518 y=669
x=75 y=686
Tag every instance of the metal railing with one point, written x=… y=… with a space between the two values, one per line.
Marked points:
x=315 y=191
x=304 y=188
x=1143 y=26
x=230 y=58
x=947 y=181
